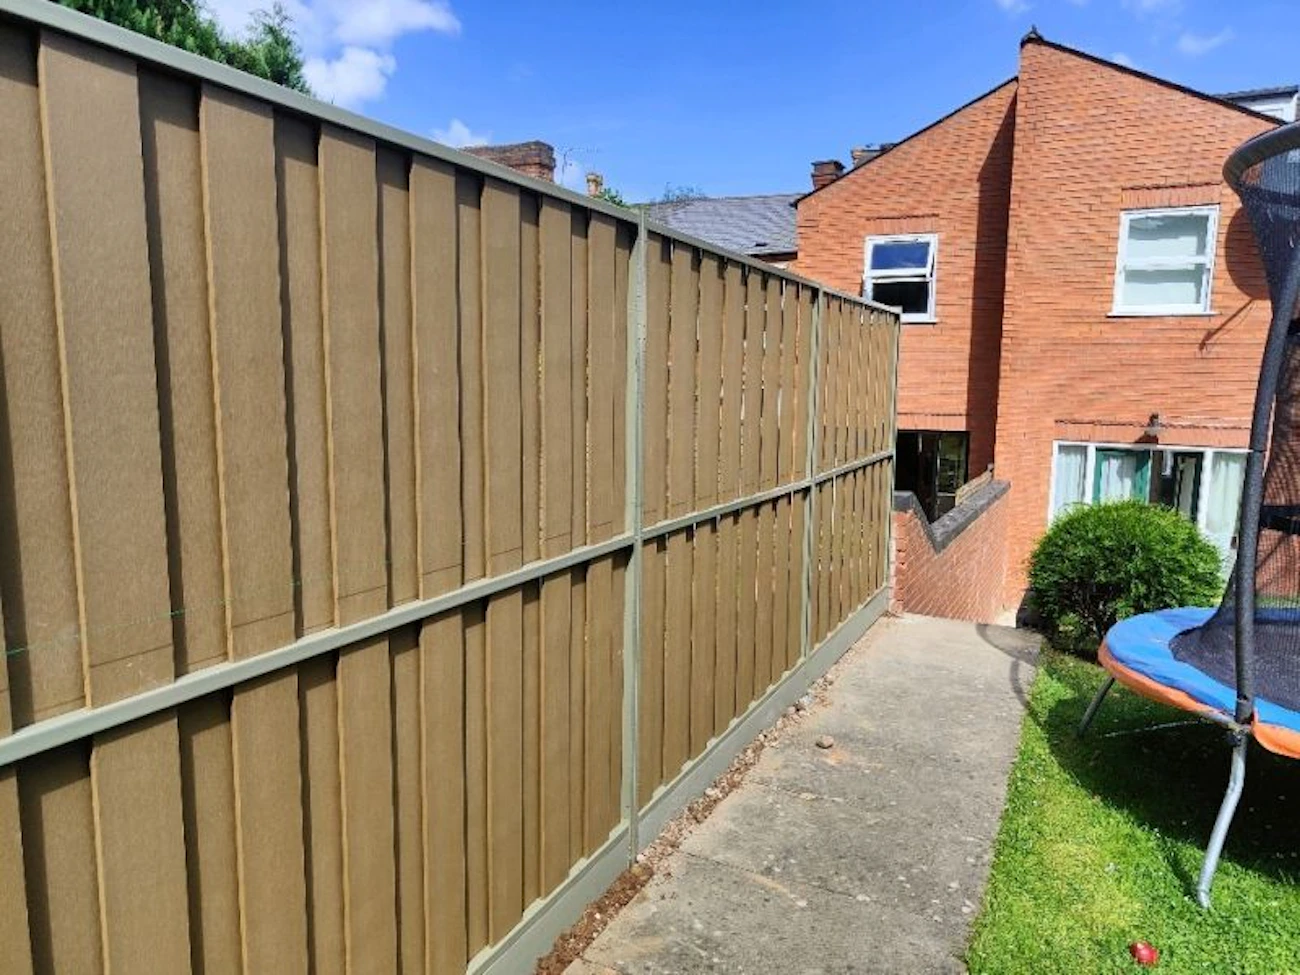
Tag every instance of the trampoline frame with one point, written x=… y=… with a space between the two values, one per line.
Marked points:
x=1254 y=151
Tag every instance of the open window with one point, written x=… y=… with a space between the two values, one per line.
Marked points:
x=1166 y=261
x=900 y=272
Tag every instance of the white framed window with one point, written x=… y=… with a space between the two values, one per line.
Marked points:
x=1203 y=483
x=1165 y=264
x=900 y=272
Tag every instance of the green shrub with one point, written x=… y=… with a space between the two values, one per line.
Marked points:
x=1102 y=563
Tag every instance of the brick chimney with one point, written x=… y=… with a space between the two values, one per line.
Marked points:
x=825 y=172
x=536 y=159
x=595 y=183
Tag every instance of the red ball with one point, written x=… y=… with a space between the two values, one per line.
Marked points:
x=1144 y=953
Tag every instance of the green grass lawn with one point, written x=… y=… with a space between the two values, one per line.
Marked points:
x=1102 y=839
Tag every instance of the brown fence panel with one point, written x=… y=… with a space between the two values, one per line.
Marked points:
x=319 y=523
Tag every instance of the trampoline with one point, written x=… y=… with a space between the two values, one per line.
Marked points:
x=1239 y=664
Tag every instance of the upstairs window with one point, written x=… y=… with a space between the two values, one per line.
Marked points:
x=1166 y=261
x=900 y=272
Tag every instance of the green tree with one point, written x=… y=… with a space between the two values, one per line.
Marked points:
x=269 y=49
x=611 y=195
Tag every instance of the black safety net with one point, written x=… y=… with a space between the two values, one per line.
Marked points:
x=1267 y=598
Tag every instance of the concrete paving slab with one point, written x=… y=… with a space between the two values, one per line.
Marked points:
x=870 y=856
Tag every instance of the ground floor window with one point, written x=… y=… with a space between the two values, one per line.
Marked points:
x=1202 y=483
x=932 y=465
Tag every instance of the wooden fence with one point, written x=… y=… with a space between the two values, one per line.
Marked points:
x=388 y=543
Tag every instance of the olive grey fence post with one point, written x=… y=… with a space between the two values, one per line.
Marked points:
x=633 y=522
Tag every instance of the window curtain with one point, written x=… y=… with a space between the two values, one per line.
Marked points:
x=1071 y=465
x=1223 y=499
x=1116 y=475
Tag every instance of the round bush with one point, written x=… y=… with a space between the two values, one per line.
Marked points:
x=1102 y=563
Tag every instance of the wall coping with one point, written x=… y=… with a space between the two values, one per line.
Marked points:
x=944 y=531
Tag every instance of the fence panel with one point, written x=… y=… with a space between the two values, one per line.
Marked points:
x=323 y=574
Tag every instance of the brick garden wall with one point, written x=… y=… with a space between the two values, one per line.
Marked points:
x=953 y=568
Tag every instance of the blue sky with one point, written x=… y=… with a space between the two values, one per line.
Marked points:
x=737 y=98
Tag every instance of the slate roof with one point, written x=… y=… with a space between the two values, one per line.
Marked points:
x=1280 y=90
x=753 y=225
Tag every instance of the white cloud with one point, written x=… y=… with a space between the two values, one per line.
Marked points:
x=1194 y=45
x=357 y=75
x=458 y=135
x=1013 y=6
x=379 y=22
x=1119 y=57
x=347 y=43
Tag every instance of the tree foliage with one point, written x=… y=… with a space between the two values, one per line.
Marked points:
x=611 y=195
x=1102 y=563
x=269 y=49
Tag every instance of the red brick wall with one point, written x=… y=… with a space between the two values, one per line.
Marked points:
x=1091 y=141
x=964 y=581
x=954 y=180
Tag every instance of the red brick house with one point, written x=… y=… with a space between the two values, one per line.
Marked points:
x=1083 y=304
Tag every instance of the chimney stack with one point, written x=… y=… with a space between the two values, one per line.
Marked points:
x=825 y=172
x=595 y=183
x=861 y=154
x=535 y=159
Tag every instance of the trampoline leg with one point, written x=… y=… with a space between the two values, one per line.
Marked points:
x=1236 y=779
x=1094 y=706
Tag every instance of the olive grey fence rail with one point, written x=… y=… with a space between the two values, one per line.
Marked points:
x=389 y=543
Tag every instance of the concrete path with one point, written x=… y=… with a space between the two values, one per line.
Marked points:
x=870 y=856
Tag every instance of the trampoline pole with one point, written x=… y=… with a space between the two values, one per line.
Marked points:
x=1236 y=779
x=1091 y=713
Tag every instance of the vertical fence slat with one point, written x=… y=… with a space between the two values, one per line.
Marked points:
x=476 y=786
x=469 y=296
x=578 y=297
x=577 y=710
x=764 y=592
x=322 y=814
x=408 y=800
x=703 y=635
x=442 y=677
x=397 y=340
x=677 y=653
x=433 y=266
x=771 y=373
x=174 y=216
x=683 y=300
x=505 y=762
x=751 y=435
x=599 y=703
x=708 y=441
x=557 y=379
x=650 y=708
x=302 y=325
x=655 y=458
x=59 y=852
x=747 y=676
x=555 y=717
x=781 y=562
x=37 y=574
x=530 y=363
x=531 y=771
x=604 y=360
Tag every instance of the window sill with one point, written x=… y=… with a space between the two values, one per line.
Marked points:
x=1161 y=313
x=918 y=321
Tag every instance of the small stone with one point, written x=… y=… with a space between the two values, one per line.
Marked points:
x=804 y=703
x=825 y=741
x=966 y=908
x=712 y=792
x=863 y=899
x=954 y=885
x=800 y=903
x=807 y=796
x=790 y=712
